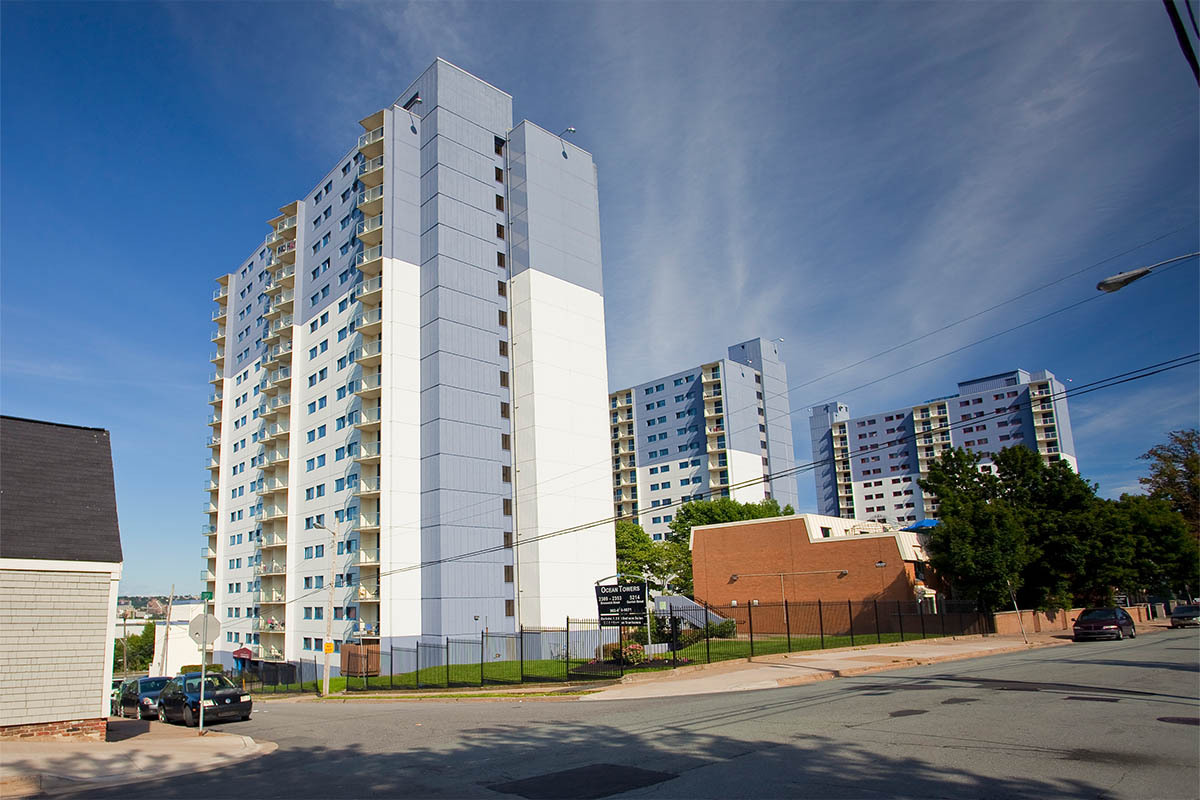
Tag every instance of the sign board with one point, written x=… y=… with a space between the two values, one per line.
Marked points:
x=206 y=596
x=202 y=633
x=622 y=604
x=329 y=647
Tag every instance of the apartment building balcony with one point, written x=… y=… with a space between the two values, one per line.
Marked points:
x=273 y=485
x=370 y=202
x=366 y=594
x=273 y=431
x=207 y=552
x=281 y=351
x=370 y=172
x=273 y=239
x=370 y=352
x=208 y=530
x=216 y=397
x=280 y=402
x=287 y=227
x=207 y=575
x=280 y=303
x=218 y=335
x=286 y=253
x=269 y=596
x=367 y=487
x=212 y=485
x=369 y=419
x=364 y=557
x=368 y=522
x=270 y=568
x=370 y=230
x=370 y=291
x=712 y=410
x=275 y=458
x=368 y=453
x=370 y=261
x=279 y=379
x=370 y=144
x=370 y=321
x=268 y=625
x=285 y=276
x=273 y=540
x=710 y=377
x=370 y=385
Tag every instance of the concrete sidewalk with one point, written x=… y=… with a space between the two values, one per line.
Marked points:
x=789 y=669
x=135 y=750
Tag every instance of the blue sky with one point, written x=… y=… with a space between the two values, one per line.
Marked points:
x=847 y=176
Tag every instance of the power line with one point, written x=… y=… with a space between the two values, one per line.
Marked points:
x=1093 y=386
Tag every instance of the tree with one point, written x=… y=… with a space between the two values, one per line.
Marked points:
x=661 y=563
x=635 y=549
x=980 y=545
x=139 y=648
x=1175 y=475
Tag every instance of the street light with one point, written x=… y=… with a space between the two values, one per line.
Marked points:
x=841 y=573
x=1122 y=279
x=327 y=645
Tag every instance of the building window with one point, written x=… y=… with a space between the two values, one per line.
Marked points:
x=505 y=441
x=507 y=507
x=499 y=175
x=503 y=378
x=503 y=318
x=508 y=574
x=508 y=608
x=508 y=539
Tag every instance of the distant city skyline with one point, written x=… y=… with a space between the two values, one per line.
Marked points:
x=864 y=175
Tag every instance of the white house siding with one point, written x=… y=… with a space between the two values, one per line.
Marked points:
x=55 y=643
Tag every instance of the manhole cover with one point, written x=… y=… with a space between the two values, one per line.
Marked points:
x=1181 y=720
x=583 y=783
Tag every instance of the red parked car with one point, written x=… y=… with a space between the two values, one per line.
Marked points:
x=1104 y=623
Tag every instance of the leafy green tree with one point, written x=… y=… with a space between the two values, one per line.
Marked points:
x=980 y=545
x=139 y=647
x=1175 y=475
x=635 y=549
x=661 y=562
x=1165 y=557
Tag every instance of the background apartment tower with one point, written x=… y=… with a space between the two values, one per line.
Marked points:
x=868 y=467
x=409 y=386
x=698 y=433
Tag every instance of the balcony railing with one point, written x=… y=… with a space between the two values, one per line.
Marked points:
x=372 y=316
x=368 y=519
x=370 y=382
x=207 y=552
x=285 y=249
x=218 y=293
x=218 y=314
x=286 y=225
x=370 y=196
x=367 y=255
x=369 y=225
x=269 y=596
x=369 y=450
x=281 y=401
x=268 y=625
x=281 y=323
x=270 y=568
x=284 y=272
x=370 y=137
x=365 y=556
x=370 y=165
x=218 y=334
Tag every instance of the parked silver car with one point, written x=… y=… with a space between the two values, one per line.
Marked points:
x=1183 y=616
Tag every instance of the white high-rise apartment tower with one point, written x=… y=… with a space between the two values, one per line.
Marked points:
x=410 y=389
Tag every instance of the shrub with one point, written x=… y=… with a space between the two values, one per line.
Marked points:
x=197 y=668
x=633 y=653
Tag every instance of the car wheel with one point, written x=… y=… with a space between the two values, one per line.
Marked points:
x=162 y=715
x=1120 y=634
x=189 y=718
x=245 y=718
x=1132 y=632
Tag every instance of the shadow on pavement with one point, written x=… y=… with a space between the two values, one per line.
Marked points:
x=511 y=760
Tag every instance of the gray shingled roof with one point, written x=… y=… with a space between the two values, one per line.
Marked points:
x=57 y=499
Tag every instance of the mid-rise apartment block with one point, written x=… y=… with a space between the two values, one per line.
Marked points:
x=408 y=393
x=867 y=467
x=721 y=429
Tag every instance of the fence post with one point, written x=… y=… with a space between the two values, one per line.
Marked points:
x=482 y=649
x=521 y=649
x=750 y=623
x=921 y=614
x=850 y=621
x=675 y=626
x=942 y=609
x=707 y=631
x=567 y=651
x=391 y=666
x=821 y=622
x=620 y=649
x=417 y=674
x=787 y=625
x=447 y=662
x=900 y=619
x=878 y=635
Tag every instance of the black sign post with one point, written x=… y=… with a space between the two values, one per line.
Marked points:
x=621 y=604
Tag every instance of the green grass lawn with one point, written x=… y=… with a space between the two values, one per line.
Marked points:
x=558 y=671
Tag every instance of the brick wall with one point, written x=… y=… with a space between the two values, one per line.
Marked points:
x=781 y=544
x=95 y=728
x=55 y=645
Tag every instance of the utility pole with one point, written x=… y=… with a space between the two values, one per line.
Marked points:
x=162 y=668
x=327 y=645
x=125 y=643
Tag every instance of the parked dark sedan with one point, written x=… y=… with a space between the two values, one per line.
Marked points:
x=1104 y=623
x=139 y=698
x=180 y=699
x=1182 y=616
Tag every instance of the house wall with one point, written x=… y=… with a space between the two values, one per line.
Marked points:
x=56 y=646
x=782 y=544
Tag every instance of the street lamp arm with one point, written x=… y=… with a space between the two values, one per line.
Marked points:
x=1122 y=279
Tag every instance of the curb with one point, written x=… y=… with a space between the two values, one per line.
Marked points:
x=48 y=785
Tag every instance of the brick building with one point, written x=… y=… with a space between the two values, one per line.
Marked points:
x=60 y=564
x=805 y=558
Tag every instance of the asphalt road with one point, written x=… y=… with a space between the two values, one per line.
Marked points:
x=1083 y=720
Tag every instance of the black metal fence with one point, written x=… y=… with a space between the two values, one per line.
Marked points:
x=273 y=677
x=583 y=650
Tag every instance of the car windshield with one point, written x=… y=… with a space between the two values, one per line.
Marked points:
x=154 y=684
x=1186 y=610
x=1093 y=614
x=211 y=684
